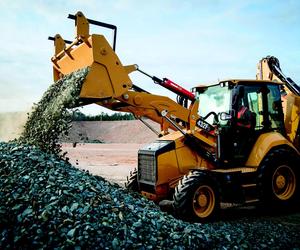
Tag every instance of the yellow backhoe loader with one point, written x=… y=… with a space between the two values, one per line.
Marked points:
x=236 y=141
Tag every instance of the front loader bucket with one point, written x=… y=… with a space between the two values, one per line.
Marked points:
x=107 y=77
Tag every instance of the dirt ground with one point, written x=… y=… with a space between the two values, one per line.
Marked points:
x=117 y=156
x=132 y=131
x=111 y=161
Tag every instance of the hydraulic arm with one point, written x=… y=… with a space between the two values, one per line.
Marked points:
x=108 y=83
x=269 y=69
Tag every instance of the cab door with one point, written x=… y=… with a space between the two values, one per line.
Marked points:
x=262 y=112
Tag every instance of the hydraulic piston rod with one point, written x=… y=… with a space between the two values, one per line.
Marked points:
x=172 y=86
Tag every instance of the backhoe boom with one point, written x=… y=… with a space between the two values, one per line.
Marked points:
x=269 y=69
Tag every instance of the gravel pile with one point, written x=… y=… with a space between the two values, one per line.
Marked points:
x=47 y=203
x=50 y=117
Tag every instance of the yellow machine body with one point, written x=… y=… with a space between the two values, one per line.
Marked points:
x=169 y=165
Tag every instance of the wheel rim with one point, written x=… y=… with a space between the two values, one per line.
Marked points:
x=204 y=201
x=284 y=182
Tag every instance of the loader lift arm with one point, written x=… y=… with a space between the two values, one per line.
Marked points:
x=108 y=84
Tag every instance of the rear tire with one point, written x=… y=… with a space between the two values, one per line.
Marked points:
x=278 y=178
x=132 y=183
x=196 y=197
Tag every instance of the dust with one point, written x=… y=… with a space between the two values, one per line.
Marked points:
x=11 y=125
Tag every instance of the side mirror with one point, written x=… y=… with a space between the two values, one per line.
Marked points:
x=225 y=116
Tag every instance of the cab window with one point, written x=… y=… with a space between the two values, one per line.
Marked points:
x=214 y=98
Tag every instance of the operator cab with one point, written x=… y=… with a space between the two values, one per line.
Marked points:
x=239 y=111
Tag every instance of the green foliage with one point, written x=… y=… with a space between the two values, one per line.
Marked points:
x=79 y=116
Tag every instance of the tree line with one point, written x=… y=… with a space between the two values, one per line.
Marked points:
x=79 y=116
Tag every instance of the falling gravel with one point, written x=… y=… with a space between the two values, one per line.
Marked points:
x=50 y=117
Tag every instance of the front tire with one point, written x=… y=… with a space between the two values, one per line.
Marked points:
x=279 y=178
x=196 y=197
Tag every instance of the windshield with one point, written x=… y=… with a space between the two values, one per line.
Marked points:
x=214 y=98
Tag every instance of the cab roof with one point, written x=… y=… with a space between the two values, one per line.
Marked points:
x=250 y=81
x=239 y=81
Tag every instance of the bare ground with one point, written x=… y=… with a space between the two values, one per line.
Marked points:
x=11 y=125
x=117 y=156
x=132 y=131
x=111 y=161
